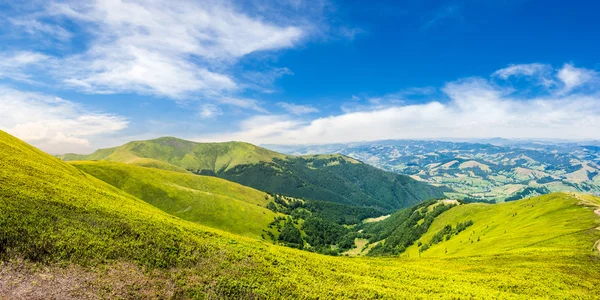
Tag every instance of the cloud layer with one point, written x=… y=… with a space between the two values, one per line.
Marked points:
x=470 y=108
x=51 y=123
x=175 y=49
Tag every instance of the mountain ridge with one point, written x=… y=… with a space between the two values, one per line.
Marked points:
x=59 y=225
x=330 y=177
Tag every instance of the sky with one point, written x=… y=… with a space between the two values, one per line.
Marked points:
x=76 y=76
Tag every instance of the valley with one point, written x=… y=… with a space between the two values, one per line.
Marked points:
x=507 y=170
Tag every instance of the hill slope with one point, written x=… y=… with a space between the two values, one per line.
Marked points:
x=552 y=222
x=333 y=178
x=545 y=223
x=82 y=238
x=206 y=200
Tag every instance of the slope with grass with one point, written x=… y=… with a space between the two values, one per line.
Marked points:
x=556 y=222
x=206 y=200
x=332 y=178
x=66 y=234
x=184 y=154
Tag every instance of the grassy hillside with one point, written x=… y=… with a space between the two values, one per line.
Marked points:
x=65 y=234
x=206 y=200
x=332 y=178
x=184 y=154
x=549 y=223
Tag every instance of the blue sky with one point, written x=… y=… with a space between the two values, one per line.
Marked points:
x=76 y=76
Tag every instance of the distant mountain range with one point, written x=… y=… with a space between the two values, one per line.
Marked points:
x=504 y=170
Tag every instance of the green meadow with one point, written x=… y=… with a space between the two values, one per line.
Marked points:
x=59 y=225
x=210 y=201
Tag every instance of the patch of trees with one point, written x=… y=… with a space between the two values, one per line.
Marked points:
x=446 y=234
x=290 y=235
x=546 y=179
x=467 y=200
x=340 y=213
x=528 y=192
x=332 y=179
x=409 y=226
x=322 y=235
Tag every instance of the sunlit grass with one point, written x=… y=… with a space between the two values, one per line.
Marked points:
x=53 y=212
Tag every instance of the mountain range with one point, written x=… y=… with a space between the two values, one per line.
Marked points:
x=108 y=229
x=477 y=171
x=330 y=178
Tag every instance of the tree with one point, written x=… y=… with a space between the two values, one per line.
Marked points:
x=291 y=236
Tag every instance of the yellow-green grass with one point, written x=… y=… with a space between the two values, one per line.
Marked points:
x=553 y=223
x=183 y=154
x=210 y=201
x=51 y=212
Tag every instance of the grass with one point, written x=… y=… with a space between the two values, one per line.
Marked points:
x=332 y=178
x=549 y=223
x=59 y=219
x=210 y=201
x=173 y=153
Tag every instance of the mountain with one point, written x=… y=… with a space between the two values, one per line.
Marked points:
x=210 y=201
x=65 y=234
x=481 y=172
x=331 y=178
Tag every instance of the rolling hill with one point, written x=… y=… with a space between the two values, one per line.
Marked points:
x=210 y=201
x=332 y=178
x=66 y=234
x=545 y=223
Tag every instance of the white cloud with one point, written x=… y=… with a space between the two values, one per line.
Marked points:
x=208 y=111
x=40 y=29
x=540 y=72
x=477 y=108
x=242 y=103
x=15 y=65
x=572 y=77
x=53 y=124
x=522 y=69
x=167 y=48
x=297 y=109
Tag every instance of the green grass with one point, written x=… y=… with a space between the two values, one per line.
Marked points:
x=51 y=212
x=549 y=223
x=206 y=200
x=332 y=178
x=183 y=154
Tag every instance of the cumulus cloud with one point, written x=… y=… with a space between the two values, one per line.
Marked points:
x=470 y=108
x=297 y=109
x=53 y=124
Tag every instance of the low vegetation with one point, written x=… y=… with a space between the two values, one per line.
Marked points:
x=333 y=178
x=64 y=232
x=210 y=201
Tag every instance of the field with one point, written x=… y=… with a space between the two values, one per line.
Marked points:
x=551 y=223
x=210 y=201
x=65 y=232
